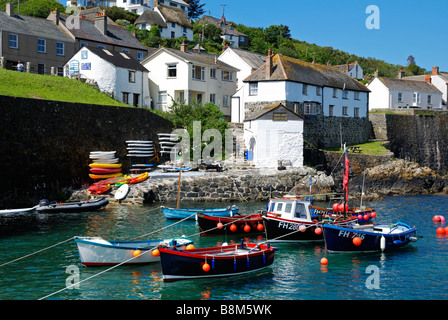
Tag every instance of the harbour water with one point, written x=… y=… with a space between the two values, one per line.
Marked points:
x=415 y=272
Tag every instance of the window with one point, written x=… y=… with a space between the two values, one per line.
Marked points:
x=345 y=111
x=101 y=46
x=335 y=93
x=356 y=95
x=199 y=97
x=60 y=71
x=60 y=48
x=172 y=70
x=139 y=56
x=318 y=91
x=331 y=110
x=173 y=35
x=162 y=97
x=288 y=208
x=356 y=112
x=310 y=107
x=181 y=96
x=184 y=31
x=429 y=99
x=41 y=45
x=83 y=44
x=279 y=116
x=132 y=76
x=125 y=51
x=416 y=97
x=279 y=207
x=226 y=75
x=213 y=98
x=225 y=101
x=126 y=97
x=344 y=94
x=173 y=24
x=305 y=89
x=300 y=211
x=136 y=98
x=400 y=97
x=253 y=88
x=13 y=41
x=198 y=73
x=212 y=73
x=41 y=68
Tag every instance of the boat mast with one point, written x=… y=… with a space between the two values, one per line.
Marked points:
x=180 y=173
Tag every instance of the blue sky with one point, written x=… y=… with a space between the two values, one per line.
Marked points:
x=406 y=27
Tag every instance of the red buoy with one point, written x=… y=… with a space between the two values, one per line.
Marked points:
x=373 y=214
x=318 y=231
x=206 y=267
x=219 y=225
x=357 y=241
x=440 y=230
x=233 y=227
x=366 y=217
x=324 y=261
x=260 y=227
x=436 y=219
x=336 y=207
x=247 y=228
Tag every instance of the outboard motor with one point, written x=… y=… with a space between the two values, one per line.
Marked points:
x=44 y=202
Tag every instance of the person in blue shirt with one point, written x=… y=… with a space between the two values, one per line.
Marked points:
x=19 y=66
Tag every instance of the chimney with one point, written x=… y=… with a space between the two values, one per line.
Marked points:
x=428 y=78
x=183 y=46
x=57 y=16
x=224 y=46
x=401 y=73
x=101 y=22
x=156 y=3
x=347 y=67
x=269 y=64
x=10 y=9
x=435 y=71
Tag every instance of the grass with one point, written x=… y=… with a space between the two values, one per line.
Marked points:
x=27 y=85
x=374 y=148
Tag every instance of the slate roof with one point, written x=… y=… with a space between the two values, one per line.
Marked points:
x=32 y=26
x=409 y=85
x=151 y=17
x=290 y=69
x=116 y=35
x=118 y=59
x=265 y=110
x=253 y=59
x=226 y=29
x=444 y=76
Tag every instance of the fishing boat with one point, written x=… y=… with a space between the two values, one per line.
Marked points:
x=236 y=225
x=95 y=251
x=291 y=220
x=182 y=213
x=368 y=237
x=71 y=206
x=210 y=262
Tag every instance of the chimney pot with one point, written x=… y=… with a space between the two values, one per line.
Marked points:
x=435 y=71
x=10 y=9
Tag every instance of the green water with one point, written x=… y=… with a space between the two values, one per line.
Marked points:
x=417 y=271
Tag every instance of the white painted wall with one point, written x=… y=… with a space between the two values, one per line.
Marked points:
x=440 y=84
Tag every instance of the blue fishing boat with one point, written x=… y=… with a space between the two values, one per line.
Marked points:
x=370 y=237
x=181 y=213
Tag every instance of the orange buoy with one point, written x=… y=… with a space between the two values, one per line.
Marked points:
x=247 y=228
x=324 y=261
x=137 y=253
x=220 y=225
x=155 y=252
x=302 y=228
x=233 y=227
x=260 y=227
x=357 y=241
x=190 y=247
x=440 y=230
x=206 y=267
x=318 y=231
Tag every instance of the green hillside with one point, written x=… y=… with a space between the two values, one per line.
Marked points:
x=27 y=85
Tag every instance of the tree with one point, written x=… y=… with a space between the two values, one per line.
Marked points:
x=39 y=8
x=195 y=10
x=119 y=13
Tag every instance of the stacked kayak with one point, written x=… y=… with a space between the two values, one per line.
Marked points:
x=168 y=142
x=104 y=165
x=141 y=153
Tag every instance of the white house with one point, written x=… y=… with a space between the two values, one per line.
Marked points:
x=354 y=70
x=172 y=21
x=188 y=76
x=387 y=93
x=135 y=6
x=274 y=134
x=116 y=73
x=229 y=32
x=438 y=79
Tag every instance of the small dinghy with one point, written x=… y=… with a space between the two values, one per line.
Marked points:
x=71 y=206
x=181 y=213
x=371 y=237
x=95 y=251
x=210 y=262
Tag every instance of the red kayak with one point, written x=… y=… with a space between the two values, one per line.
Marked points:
x=105 y=170
x=100 y=188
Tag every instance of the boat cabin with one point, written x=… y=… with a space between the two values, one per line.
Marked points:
x=291 y=209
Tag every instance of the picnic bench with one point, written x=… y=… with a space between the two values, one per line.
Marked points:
x=355 y=149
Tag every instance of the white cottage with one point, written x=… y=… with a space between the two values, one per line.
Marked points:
x=189 y=76
x=438 y=79
x=387 y=93
x=274 y=136
x=116 y=73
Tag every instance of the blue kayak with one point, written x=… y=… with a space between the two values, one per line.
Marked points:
x=181 y=213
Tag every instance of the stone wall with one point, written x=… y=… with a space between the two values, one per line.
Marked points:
x=46 y=144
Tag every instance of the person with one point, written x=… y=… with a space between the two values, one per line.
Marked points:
x=19 y=66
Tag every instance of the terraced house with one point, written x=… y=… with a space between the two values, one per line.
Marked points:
x=333 y=104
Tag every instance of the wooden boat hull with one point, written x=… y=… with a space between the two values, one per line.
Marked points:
x=99 y=252
x=181 y=213
x=209 y=224
x=340 y=239
x=73 y=206
x=285 y=230
x=223 y=261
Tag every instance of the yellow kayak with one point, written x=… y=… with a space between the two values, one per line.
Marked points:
x=102 y=176
x=105 y=165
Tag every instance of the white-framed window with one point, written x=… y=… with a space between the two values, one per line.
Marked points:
x=416 y=97
x=139 y=56
x=253 y=88
x=171 y=70
x=213 y=98
x=344 y=94
x=41 y=68
x=13 y=41
x=41 y=46
x=60 y=48
x=161 y=97
x=198 y=73
x=226 y=75
x=345 y=111
x=400 y=96
x=429 y=99
x=356 y=112
x=305 y=89
x=131 y=76
x=225 y=101
x=181 y=96
x=212 y=73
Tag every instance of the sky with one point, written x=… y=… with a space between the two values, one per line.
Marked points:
x=404 y=27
